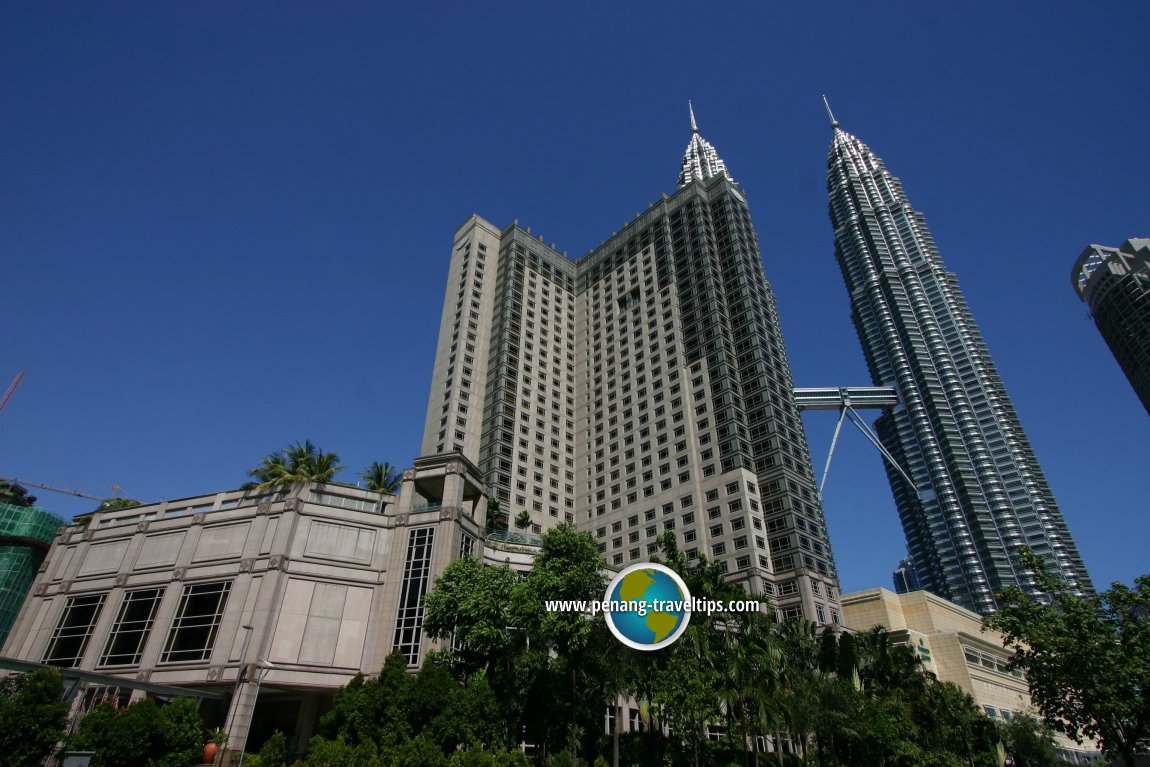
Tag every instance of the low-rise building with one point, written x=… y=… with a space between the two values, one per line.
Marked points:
x=954 y=647
x=277 y=596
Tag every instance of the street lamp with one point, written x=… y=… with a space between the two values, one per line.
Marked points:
x=267 y=666
x=239 y=680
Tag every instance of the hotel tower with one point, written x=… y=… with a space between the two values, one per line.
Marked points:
x=640 y=389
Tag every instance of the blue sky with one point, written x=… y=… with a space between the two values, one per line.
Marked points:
x=226 y=226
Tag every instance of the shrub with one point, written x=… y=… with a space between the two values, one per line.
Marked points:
x=32 y=718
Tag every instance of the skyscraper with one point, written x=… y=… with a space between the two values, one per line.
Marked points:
x=979 y=494
x=1115 y=284
x=640 y=389
x=904 y=577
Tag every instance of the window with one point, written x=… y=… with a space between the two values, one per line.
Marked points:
x=416 y=573
x=197 y=618
x=466 y=546
x=72 y=633
x=133 y=624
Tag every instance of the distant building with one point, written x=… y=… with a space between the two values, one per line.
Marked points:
x=26 y=532
x=1115 y=284
x=953 y=647
x=973 y=494
x=905 y=579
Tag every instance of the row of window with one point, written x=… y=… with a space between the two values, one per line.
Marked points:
x=190 y=638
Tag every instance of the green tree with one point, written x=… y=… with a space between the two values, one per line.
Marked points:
x=1029 y=742
x=141 y=735
x=32 y=718
x=470 y=603
x=337 y=752
x=296 y=464
x=498 y=625
x=471 y=716
x=421 y=751
x=496 y=516
x=1087 y=660
x=272 y=753
x=372 y=711
x=706 y=677
x=115 y=504
x=382 y=478
x=523 y=520
x=568 y=567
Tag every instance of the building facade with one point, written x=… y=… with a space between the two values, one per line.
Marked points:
x=978 y=493
x=641 y=389
x=281 y=597
x=953 y=647
x=1115 y=284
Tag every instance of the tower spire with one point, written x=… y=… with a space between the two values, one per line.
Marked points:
x=830 y=114
x=700 y=161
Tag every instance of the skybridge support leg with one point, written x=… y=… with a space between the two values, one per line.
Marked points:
x=831 y=454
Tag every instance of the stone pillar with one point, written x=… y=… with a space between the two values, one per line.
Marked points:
x=306 y=721
x=239 y=719
x=453 y=486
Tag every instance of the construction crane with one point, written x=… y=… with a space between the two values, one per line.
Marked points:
x=56 y=489
x=8 y=394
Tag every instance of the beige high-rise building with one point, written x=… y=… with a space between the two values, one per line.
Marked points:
x=639 y=389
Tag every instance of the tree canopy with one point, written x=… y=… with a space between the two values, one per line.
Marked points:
x=840 y=700
x=304 y=462
x=1087 y=659
x=32 y=716
x=141 y=735
x=382 y=477
x=295 y=464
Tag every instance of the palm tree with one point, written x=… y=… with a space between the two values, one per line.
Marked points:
x=885 y=667
x=496 y=517
x=798 y=683
x=750 y=688
x=382 y=478
x=296 y=464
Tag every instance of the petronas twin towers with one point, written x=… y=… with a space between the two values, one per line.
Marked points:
x=978 y=494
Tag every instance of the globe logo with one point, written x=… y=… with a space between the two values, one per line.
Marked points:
x=648 y=606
